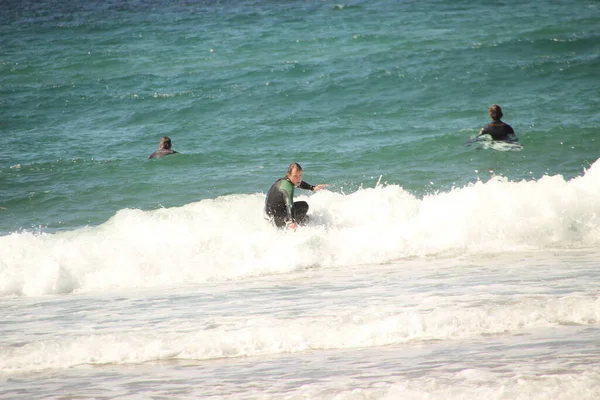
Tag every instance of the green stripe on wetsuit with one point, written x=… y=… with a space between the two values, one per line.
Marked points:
x=280 y=198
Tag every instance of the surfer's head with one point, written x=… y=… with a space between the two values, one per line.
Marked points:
x=294 y=173
x=165 y=143
x=495 y=112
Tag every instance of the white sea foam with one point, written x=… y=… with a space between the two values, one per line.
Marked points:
x=227 y=238
x=477 y=385
x=330 y=327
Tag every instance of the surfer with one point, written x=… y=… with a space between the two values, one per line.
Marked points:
x=280 y=207
x=497 y=129
x=164 y=148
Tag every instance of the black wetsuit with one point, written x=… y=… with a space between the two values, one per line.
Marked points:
x=161 y=153
x=280 y=206
x=499 y=130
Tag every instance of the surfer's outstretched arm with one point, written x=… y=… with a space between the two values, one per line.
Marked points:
x=314 y=188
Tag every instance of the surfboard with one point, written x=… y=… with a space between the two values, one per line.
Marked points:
x=486 y=142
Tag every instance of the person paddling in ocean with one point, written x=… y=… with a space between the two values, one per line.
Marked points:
x=497 y=129
x=280 y=207
x=164 y=148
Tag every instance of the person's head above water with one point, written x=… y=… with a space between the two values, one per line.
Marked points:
x=164 y=148
x=294 y=173
x=165 y=143
x=495 y=112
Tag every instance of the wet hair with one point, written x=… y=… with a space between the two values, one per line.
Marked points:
x=495 y=112
x=292 y=167
x=165 y=143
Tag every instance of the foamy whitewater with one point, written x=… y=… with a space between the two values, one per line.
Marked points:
x=480 y=292
x=228 y=239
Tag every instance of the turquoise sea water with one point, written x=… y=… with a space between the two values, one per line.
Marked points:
x=351 y=91
x=431 y=269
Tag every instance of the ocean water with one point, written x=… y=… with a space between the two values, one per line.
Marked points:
x=433 y=268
